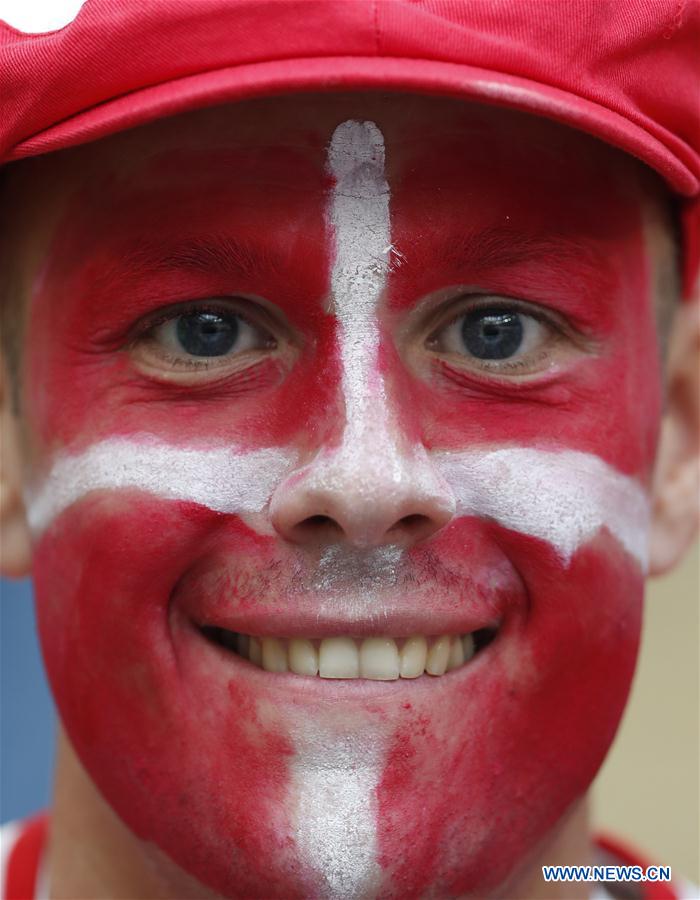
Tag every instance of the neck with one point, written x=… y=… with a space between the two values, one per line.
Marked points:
x=569 y=843
x=113 y=862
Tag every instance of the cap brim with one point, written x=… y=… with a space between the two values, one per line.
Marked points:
x=660 y=150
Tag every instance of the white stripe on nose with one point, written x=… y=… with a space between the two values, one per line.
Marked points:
x=374 y=488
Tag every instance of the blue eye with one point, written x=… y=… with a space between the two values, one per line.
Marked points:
x=207 y=333
x=492 y=333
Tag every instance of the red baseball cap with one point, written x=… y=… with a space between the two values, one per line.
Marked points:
x=626 y=71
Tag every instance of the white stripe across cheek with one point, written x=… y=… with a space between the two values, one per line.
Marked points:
x=563 y=497
x=225 y=480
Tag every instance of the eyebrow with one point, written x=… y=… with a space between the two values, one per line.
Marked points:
x=490 y=248
x=501 y=246
x=206 y=253
x=143 y=259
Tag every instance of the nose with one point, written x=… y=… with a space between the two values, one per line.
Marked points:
x=363 y=499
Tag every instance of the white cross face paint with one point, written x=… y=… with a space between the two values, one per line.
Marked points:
x=335 y=776
x=359 y=216
x=562 y=497
x=373 y=457
x=367 y=570
x=227 y=480
x=360 y=220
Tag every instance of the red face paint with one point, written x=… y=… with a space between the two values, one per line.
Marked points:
x=166 y=237
x=196 y=749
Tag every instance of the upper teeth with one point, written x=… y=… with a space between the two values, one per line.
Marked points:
x=375 y=658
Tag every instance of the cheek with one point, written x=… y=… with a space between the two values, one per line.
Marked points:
x=197 y=759
x=484 y=773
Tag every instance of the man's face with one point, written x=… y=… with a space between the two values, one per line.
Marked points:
x=374 y=383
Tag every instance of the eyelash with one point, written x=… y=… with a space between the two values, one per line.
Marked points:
x=150 y=323
x=560 y=347
x=479 y=301
x=145 y=329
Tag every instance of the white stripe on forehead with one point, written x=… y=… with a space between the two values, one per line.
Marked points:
x=562 y=497
x=359 y=217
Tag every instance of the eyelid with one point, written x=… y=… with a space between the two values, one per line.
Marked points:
x=532 y=329
x=562 y=343
x=158 y=362
x=560 y=326
x=468 y=303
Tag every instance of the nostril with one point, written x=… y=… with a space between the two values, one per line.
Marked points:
x=317 y=520
x=413 y=525
x=319 y=525
x=413 y=521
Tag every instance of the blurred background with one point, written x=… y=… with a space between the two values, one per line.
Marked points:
x=647 y=792
x=649 y=787
x=27 y=718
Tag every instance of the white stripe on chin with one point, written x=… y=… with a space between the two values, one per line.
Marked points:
x=335 y=776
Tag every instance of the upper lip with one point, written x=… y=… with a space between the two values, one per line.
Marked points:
x=291 y=605
x=296 y=620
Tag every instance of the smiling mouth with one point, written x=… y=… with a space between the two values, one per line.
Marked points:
x=372 y=658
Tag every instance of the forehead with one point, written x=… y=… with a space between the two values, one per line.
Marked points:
x=467 y=182
x=436 y=150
